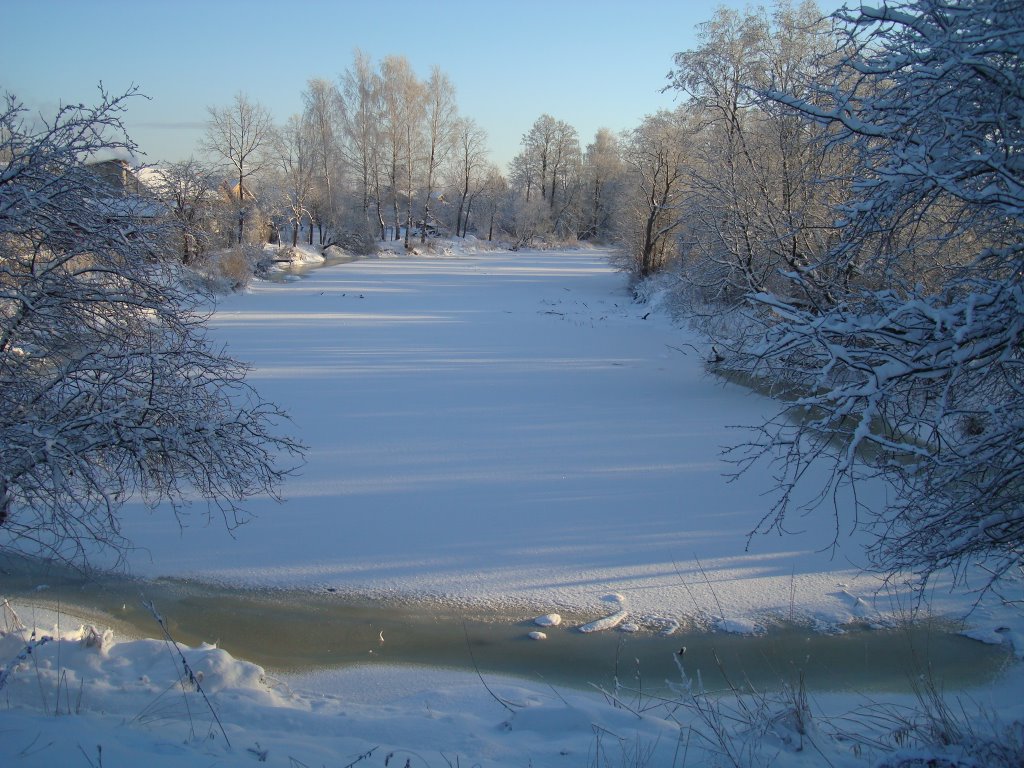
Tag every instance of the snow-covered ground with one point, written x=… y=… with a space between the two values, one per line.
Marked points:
x=501 y=429
x=505 y=428
x=75 y=696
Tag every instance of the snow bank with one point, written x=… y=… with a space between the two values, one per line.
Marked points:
x=74 y=700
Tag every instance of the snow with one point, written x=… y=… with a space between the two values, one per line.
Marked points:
x=299 y=255
x=508 y=430
x=86 y=697
x=485 y=428
x=501 y=428
x=737 y=626
x=607 y=622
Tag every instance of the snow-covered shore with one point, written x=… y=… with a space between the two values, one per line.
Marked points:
x=485 y=428
x=76 y=695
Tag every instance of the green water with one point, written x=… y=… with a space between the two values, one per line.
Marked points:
x=290 y=631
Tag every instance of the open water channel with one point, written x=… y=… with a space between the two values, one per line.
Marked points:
x=296 y=631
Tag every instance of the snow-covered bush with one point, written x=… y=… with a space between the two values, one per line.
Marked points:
x=905 y=340
x=111 y=389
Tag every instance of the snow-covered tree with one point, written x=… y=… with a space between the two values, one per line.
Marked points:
x=550 y=162
x=240 y=135
x=403 y=107
x=296 y=149
x=759 y=201
x=111 y=389
x=649 y=210
x=362 y=105
x=469 y=169
x=914 y=365
x=602 y=177
x=323 y=115
x=441 y=117
x=188 y=190
x=493 y=193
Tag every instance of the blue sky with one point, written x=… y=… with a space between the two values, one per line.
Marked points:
x=592 y=63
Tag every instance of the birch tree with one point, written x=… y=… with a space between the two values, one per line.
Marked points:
x=403 y=109
x=470 y=168
x=298 y=156
x=362 y=115
x=322 y=116
x=239 y=135
x=441 y=115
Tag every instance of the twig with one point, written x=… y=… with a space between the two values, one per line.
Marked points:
x=553 y=689
x=99 y=756
x=677 y=349
x=506 y=704
x=721 y=613
x=365 y=755
x=616 y=701
x=188 y=670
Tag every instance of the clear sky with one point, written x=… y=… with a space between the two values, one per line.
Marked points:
x=591 y=63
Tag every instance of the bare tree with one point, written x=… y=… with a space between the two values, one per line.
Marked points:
x=322 y=115
x=550 y=161
x=111 y=388
x=469 y=169
x=493 y=193
x=563 y=166
x=763 y=181
x=655 y=154
x=441 y=116
x=537 y=156
x=187 y=188
x=239 y=135
x=401 y=119
x=297 y=152
x=362 y=110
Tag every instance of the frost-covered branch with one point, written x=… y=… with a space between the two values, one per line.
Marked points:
x=913 y=368
x=111 y=388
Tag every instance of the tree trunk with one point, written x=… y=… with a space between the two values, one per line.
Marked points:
x=380 y=220
x=465 y=223
x=458 y=217
x=426 y=204
x=462 y=202
x=241 y=205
